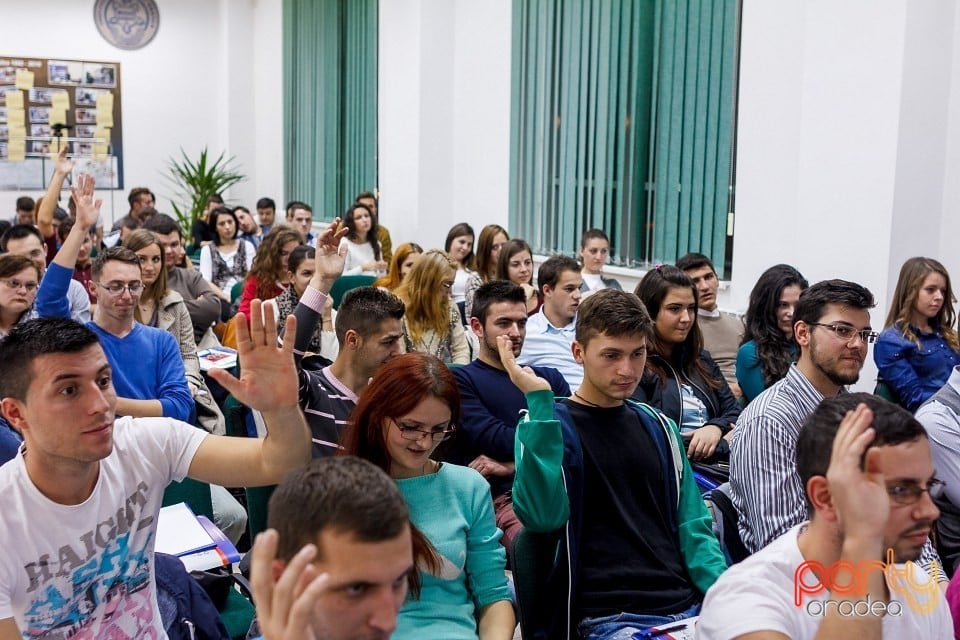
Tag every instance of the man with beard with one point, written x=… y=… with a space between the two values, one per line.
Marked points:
x=832 y=328
x=490 y=403
x=869 y=485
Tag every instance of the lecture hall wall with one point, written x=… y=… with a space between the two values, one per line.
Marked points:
x=848 y=157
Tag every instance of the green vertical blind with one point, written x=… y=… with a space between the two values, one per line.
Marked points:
x=329 y=101
x=622 y=119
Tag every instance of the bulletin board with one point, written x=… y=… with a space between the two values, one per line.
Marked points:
x=85 y=94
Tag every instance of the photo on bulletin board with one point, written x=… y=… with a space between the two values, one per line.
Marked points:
x=64 y=72
x=81 y=83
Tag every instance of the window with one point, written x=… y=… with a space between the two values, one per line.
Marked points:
x=623 y=119
x=329 y=101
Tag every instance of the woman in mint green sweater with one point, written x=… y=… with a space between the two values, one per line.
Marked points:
x=402 y=416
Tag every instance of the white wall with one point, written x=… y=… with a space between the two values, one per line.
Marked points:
x=211 y=77
x=444 y=116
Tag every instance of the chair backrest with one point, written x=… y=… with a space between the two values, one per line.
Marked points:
x=533 y=558
x=236 y=291
x=257 y=499
x=725 y=517
x=885 y=391
x=345 y=283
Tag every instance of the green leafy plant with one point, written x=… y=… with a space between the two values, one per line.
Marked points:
x=196 y=181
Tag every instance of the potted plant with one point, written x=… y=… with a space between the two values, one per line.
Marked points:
x=197 y=181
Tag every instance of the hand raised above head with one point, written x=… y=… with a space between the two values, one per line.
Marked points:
x=88 y=207
x=63 y=164
x=268 y=377
x=522 y=377
x=331 y=254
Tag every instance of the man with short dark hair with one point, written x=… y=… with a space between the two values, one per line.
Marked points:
x=202 y=302
x=832 y=328
x=80 y=553
x=368 y=332
x=25 y=207
x=490 y=403
x=247 y=227
x=356 y=532
x=611 y=477
x=139 y=199
x=300 y=217
x=869 y=486
x=721 y=332
x=550 y=331
x=266 y=213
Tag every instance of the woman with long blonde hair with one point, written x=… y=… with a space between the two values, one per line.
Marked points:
x=919 y=346
x=431 y=323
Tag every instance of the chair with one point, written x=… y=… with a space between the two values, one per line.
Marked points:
x=257 y=500
x=533 y=557
x=885 y=391
x=346 y=283
x=236 y=291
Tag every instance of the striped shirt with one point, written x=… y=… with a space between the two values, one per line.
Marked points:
x=766 y=489
x=326 y=402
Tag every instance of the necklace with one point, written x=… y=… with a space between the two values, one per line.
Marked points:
x=585 y=401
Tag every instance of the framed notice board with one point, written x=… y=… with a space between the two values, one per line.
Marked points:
x=83 y=95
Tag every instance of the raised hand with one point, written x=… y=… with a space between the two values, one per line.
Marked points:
x=285 y=606
x=63 y=165
x=330 y=256
x=522 y=377
x=88 y=207
x=268 y=378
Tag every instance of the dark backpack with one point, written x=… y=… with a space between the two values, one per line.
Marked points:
x=185 y=608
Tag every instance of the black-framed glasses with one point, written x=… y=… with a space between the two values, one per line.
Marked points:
x=116 y=288
x=13 y=285
x=414 y=433
x=910 y=492
x=846 y=332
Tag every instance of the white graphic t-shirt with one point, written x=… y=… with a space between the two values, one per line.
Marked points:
x=86 y=571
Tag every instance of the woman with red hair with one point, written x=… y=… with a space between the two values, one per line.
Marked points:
x=401 y=418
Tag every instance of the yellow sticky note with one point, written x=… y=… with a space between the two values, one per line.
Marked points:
x=14 y=99
x=100 y=152
x=24 y=79
x=104 y=102
x=16 y=151
x=104 y=118
x=58 y=115
x=16 y=133
x=15 y=117
x=101 y=135
x=60 y=99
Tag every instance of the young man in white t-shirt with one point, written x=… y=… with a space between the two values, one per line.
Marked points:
x=869 y=479
x=80 y=501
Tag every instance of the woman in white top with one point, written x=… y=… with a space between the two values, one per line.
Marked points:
x=459 y=245
x=594 y=250
x=225 y=262
x=363 y=248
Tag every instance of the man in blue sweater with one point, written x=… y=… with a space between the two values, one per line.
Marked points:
x=491 y=404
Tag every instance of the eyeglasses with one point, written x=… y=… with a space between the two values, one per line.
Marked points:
x=846 y=333
x=116 y=288
x=16 y=284
x=410 y=432
x=909 y=493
